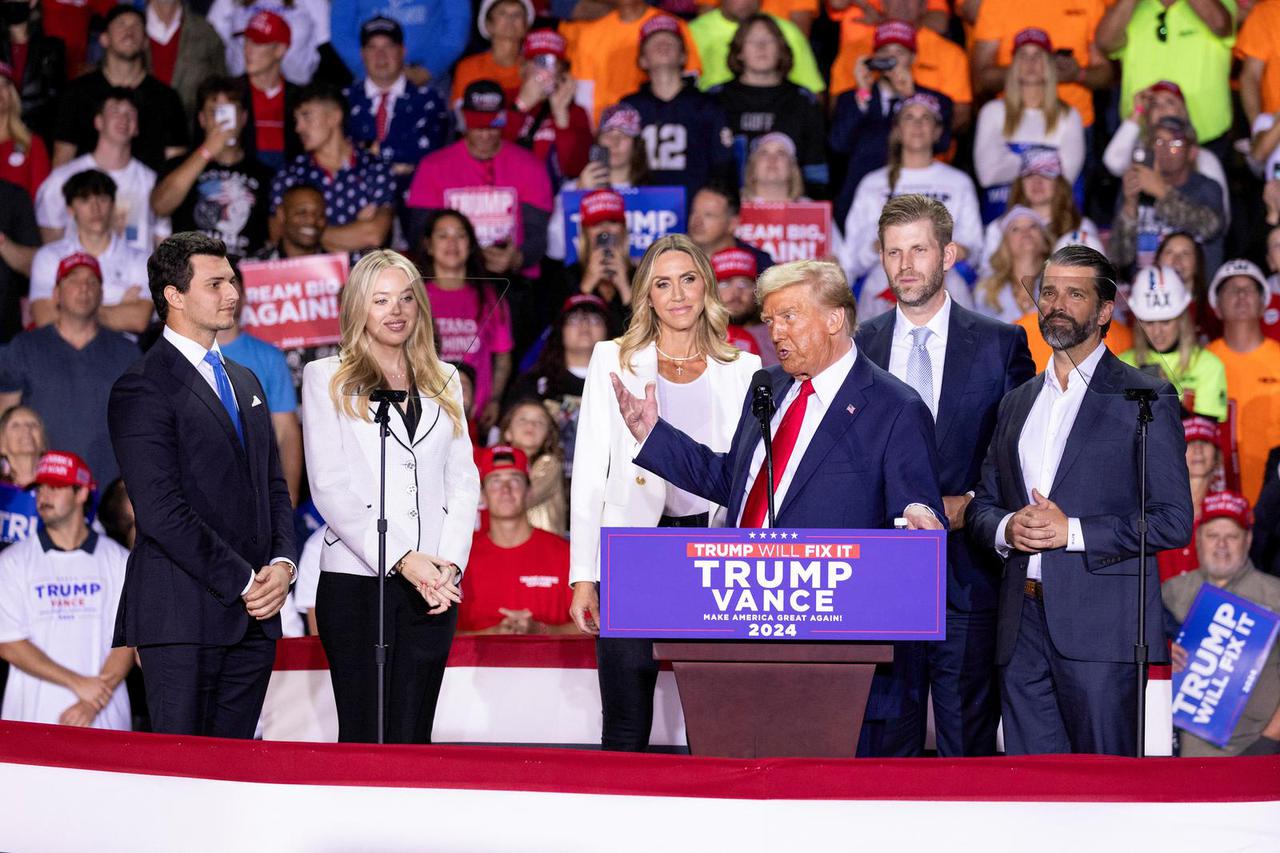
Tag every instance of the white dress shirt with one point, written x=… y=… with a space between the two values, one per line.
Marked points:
x=900 y=352
x=195 y=353
x=394 y=92
x=1043 y=438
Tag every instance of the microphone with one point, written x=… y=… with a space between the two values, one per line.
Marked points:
x=762 y=408
x=387 y=395
x=762 y=396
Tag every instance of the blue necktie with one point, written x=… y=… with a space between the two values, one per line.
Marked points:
x=225 y=394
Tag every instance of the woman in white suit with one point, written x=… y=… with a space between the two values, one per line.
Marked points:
x=675 y=342
x=432 y=492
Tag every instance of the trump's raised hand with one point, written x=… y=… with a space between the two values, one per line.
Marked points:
x=639 y=415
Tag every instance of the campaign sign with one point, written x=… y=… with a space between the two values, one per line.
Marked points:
x=652 y=212
x=18 y=516
x=492 y=211
x=1228 y=639
x=741 y=584
x=293 y=302
x=787 y=230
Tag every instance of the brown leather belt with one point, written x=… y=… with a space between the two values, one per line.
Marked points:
x=1033 y=589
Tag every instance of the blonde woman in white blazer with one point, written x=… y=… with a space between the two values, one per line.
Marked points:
x=675 y=348
x=432 y=492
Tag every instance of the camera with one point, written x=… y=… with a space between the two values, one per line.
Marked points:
x=882 y=63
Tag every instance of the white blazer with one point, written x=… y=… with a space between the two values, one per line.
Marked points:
x=607 y=489
x=433 y=488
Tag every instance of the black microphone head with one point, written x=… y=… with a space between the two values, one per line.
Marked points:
x=762 y=381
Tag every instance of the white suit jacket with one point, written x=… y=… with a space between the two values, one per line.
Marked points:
x=433 y=488
x=607 y=489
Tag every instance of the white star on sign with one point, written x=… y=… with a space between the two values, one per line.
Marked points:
x=751 y=536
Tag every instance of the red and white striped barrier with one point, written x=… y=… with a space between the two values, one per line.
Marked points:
x=79 y=789
x=527 y=690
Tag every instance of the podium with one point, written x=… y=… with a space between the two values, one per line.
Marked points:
x=773 y=635
x=769 y=699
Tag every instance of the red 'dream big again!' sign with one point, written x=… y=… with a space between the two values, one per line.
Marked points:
x=293 y=302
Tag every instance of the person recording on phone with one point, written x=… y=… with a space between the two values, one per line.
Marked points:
x=863 y=117
x=432 y=494
x=675 y=344
x=218 y=189
x=1162 y=192
x=604 y=259
x=543 y=116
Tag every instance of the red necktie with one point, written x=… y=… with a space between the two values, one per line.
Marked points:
x=380 y=117
x=784 y=441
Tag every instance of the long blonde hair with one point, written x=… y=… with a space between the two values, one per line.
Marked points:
x=643 y=330
x=1013 y=103
x=18 y=131
x=988 y=290
x=358 y=372
x=1187 y=344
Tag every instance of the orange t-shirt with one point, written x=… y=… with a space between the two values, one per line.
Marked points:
x=1119 y=339
x=941 y=64
x=1259 y=38
x=603 y=57
x=482 y=66
x=1069 y=23
x=1253 y=381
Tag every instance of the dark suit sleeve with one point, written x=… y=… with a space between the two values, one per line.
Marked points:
x=911 y=470
x=144 y=434
x=686 y=464
x=1111 y=538
x=846 y=119
x=1019 y=366
x=983 y=515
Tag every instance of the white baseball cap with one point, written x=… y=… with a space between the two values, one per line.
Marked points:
x=483 y=26
x=1231 y=269
x=1158 y=293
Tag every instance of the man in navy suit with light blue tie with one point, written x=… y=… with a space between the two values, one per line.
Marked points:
x=962 y=364
x=1059 y=502
x=853 y=446
x=215 y=553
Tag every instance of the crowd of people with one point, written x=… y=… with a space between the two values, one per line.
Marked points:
x=1143 y=129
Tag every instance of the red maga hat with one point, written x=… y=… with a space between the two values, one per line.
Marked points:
x=78 y=259
x=1226 y=505
x=501 y=457
x=602 y=206
x=732 y=262
x=62 y=468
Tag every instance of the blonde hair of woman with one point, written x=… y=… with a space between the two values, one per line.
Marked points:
x=359 y=372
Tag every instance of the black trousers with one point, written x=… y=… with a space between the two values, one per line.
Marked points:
x=628 y=675
x=215 y=691
x=418 y=647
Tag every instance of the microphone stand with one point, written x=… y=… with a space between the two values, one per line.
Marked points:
x=382 y=417
x=762 y=408
x=1143 y=397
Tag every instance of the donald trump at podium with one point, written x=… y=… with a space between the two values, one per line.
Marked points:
x=853 y=447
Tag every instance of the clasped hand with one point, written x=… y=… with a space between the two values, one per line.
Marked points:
x=267 y=594
x=433 y=578
x=1038 y=526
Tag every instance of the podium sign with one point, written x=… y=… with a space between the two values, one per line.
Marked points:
x=743 y=584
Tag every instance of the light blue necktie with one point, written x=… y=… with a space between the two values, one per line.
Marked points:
x=919 y=366
x=225 y=394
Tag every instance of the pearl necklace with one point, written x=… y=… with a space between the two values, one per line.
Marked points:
x=678 y=361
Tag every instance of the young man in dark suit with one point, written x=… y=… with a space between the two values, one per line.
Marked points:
x=215 y=551
x=962 y=366
x=1058 y=501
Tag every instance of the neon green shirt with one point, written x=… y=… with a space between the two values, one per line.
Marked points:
x=712 y=32
x=1191 y=56
x=1205 y=377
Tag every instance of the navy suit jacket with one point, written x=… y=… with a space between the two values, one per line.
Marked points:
x=209 y=511
x=872 y=454
x=1090 y=597
x=985 y=360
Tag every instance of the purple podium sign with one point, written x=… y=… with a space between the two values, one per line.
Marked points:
x=742 y=584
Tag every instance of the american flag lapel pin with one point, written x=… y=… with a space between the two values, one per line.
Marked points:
x=851 y=408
